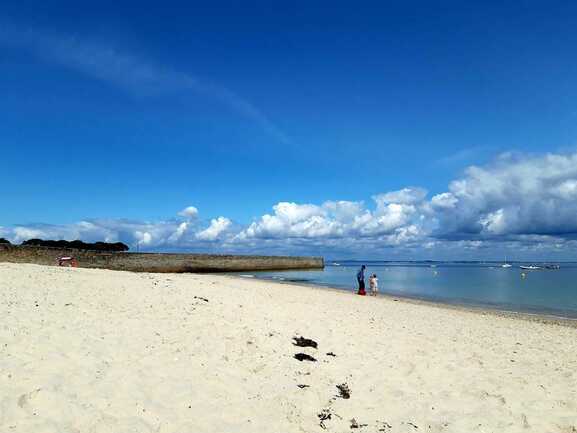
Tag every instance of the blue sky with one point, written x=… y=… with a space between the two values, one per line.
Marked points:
x=120 y=116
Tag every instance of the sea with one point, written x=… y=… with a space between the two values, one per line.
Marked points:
x=479 y=284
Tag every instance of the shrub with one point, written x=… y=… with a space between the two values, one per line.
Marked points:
x=78 y=245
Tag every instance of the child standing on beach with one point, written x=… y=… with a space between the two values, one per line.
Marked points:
x=374 y=284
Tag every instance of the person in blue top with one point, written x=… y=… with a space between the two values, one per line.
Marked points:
x=361 y=281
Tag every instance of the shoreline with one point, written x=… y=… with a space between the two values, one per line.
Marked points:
x=538 y=317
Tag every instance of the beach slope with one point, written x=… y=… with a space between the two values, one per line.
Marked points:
x=99 y=351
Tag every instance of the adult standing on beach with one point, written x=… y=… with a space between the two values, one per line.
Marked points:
x=361 y=281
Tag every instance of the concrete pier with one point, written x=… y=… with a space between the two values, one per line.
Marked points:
x=157 y=262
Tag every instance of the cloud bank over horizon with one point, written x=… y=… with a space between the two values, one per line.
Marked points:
x=526 y=204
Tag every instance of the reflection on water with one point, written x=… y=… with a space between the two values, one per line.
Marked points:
x=486 y=284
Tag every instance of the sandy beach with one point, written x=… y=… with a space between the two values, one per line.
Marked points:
x=97 y=351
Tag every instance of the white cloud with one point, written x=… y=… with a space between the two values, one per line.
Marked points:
x=523 y=204
x=25 y=233
x=444 y=200
x=179 y=233
x=337 y=219
x=344 y=211
x=566 y=190
x=386 y=218
x=494 y=222
x=290 y=220
x=515 y=195
x=189 y=212
x=511 y=198
x=217 y=227
x=409 y=195
x=143 y=238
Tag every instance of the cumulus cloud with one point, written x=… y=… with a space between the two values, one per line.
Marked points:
x=179 y=232
x=411 y=195
x=338 y=219
x=507 y=201
x=445 y=200
x=216 y=228
x=514 y=196
x=294 y=220
x=344 y=211
x=189 y=212
x=518 y=203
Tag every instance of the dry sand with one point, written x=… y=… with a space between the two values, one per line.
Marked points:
x=95 y=351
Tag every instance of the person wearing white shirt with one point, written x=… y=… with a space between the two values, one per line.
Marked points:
x=374 y=284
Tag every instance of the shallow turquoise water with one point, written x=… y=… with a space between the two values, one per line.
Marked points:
x=481 y=284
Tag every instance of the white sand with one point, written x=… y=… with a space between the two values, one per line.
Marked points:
x=99 y=351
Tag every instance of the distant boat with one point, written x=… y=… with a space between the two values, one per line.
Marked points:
x=552 y=267
x=336 y=264
x=530 y=268
x=506 y=264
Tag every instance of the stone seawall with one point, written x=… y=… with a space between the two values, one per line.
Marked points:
x=157 y=262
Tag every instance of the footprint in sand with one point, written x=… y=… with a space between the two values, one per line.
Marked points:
x=499 y=397
x=24 y=399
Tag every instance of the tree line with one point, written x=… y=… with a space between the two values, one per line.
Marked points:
x=78 y=245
